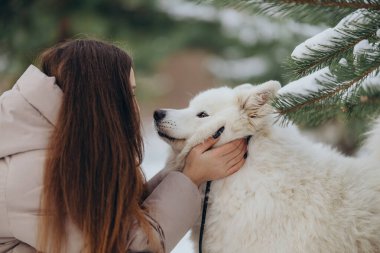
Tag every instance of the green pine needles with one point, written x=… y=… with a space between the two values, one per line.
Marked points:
x=335 y=72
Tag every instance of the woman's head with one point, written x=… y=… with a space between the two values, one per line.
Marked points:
x=92 y=173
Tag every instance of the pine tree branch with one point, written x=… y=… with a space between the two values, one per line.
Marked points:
x=311 y=11
x=326 y=95
x=337 y=43
x=334 y=90
x=363 y=105
x=340 y=4
x=369 y=5
x=364 y=100
x=301 y=67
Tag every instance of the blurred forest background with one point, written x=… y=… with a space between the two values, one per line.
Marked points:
x=179 y=47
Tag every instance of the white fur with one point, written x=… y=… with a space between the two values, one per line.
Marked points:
x=292 y=195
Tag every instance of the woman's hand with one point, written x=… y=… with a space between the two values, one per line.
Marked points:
x=203 y=164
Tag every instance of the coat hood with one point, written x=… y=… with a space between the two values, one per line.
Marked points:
x=28 y=112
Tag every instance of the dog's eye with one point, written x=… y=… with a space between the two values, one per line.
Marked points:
x=202 y=115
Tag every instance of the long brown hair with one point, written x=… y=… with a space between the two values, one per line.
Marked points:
x=92 y=175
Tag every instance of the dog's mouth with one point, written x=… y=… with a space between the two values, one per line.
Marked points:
x=170 y=138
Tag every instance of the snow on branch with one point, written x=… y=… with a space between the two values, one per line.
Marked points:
x=331 y=88
x=329 y=37
x=372 y=82
x=302 y=10
x=333 y=44
x=307 y=84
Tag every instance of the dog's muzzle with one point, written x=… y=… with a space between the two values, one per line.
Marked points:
x=158 y=116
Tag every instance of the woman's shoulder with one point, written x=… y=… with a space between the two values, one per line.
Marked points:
x=26 y=115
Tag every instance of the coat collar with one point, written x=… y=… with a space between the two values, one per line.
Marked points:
x=41 y=92
x=28 y=113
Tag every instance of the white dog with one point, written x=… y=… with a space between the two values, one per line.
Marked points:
x=291 y=195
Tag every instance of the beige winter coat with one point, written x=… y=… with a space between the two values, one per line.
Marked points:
x=28 y=113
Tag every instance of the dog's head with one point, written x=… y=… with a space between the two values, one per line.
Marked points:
x=242 y=111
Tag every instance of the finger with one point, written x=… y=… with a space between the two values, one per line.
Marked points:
x=232 y=154
x=235 y=159
x=206 y=145
x=218 y=133
x=227 y=148
x=235 y=168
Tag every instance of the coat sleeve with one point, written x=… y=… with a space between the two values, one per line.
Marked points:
x=173 y=207
x=16 y=246
x=156 y=180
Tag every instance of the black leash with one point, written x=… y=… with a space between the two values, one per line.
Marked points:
x=205 y=202
x=204 y=212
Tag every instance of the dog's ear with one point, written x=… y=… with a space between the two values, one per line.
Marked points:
x=253 y=99
x=267 y=91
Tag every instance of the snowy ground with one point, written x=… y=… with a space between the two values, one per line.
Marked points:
x=156 y=152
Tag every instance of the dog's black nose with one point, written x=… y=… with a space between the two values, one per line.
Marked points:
x=159 y=115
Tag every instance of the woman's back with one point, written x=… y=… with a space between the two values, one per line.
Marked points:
x=27 y=116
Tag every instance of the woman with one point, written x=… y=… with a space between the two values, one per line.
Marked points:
x=74 y=129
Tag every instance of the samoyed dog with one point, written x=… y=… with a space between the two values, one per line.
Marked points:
x=292 y=195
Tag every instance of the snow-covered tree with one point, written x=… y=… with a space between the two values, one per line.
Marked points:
x=336 y=72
